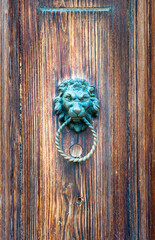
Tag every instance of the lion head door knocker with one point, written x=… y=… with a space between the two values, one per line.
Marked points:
x=75 y=105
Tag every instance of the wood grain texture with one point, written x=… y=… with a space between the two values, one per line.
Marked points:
x=143 y=119
x=42 y=195
x=60 y=46
x=112 y=186
x=139 y=104
x=152 y=28
x=9 y=121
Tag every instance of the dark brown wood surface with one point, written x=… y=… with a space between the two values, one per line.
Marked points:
x=42 y=195
x=152 y=45
x=9 y=122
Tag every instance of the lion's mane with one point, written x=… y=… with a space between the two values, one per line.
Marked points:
x=81 y=84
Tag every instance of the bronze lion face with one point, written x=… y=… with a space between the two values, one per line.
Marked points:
x=76 y=100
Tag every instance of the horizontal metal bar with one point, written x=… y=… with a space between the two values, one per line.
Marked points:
x=50 y=9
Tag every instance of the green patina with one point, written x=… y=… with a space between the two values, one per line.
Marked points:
x=76 y=100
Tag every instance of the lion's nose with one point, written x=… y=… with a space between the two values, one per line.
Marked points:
x=77 y=109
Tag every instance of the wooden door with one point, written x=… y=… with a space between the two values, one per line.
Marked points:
x=43 y=195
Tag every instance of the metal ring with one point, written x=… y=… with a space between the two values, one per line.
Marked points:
x=74 y=159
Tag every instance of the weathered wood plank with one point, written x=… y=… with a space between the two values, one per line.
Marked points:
x=65 y=61
x=9 y=121
x=152 y=43
x=87 y=200
x=143 y=119
x=139 y=127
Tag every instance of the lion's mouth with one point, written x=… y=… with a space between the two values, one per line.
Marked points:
x=74 y=119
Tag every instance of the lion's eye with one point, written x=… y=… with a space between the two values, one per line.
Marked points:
x=68 y=98
x=85 y=97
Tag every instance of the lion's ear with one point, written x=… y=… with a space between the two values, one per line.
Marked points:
x=58 y=105
x=91 y=90
x=96 y=106
x=62 y=88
